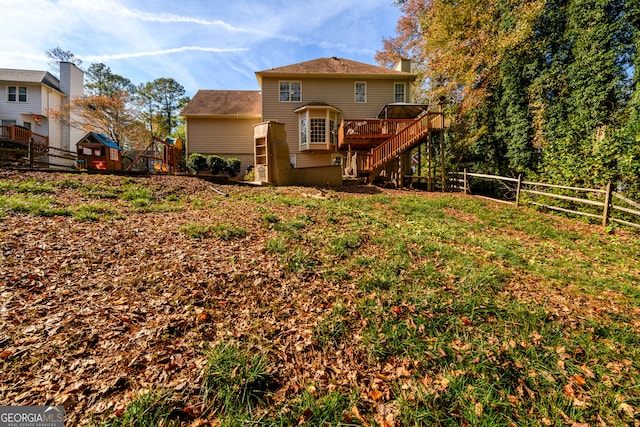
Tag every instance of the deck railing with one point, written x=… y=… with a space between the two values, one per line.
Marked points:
x=23 y=135
x=406 y=138
x=367 y=128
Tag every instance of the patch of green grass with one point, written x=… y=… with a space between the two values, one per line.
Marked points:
x=220 y=231
x=343 y=246
x=334 y=327
x=33 y=205
x=225 y=231
x=138 y=195
x=30 y=186
x=276 y=246
x=309 y=409
x=149 y=409
x=94 y=212
x=101 y=191
x=236 y=380
x=299 y=260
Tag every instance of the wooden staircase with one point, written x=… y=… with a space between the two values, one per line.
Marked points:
x=404 y=140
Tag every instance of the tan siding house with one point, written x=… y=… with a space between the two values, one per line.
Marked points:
x=221 y=122
x=310 y=98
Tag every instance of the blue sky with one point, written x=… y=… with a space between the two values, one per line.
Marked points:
x=201 y=44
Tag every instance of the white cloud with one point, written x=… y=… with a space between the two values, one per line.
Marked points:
x=216 y=41
x=104 y=58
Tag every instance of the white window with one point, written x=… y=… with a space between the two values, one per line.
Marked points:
x=318 y=127
x=318 y=131
x=17 y=93
x=303 y=130
x=361 y=92
x=400 y=92
x=290 y=91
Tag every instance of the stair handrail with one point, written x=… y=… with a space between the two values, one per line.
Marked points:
x=402 y=140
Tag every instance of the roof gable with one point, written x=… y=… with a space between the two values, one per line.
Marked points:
x=332 y=67
x=30 y=76
x=236 y=103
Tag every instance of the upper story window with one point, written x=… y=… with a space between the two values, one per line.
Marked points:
x=290 y=91
x=17 y=93
x=400 y=90
x=361 y=92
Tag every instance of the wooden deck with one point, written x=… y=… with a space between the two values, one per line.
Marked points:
x=384 y=139
x=365 y=134
x=23 y=137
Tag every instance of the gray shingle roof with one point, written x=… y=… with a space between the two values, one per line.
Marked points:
x=29 y=76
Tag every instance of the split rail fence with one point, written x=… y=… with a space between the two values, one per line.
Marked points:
x=603 y=204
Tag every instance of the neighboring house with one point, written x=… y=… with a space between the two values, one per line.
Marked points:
x=221 y=122
x=27 y=97
x=333 y=110
x=97 y=151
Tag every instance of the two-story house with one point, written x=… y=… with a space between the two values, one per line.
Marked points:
x=335 y=111
x=27 y=97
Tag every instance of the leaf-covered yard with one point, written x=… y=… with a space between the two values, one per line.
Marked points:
x=125 y=298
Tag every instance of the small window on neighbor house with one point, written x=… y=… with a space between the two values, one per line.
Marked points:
x=399 y=92
x=361 y=92
x=290 y=91
x=27 y=125
x=15 y=93
x=8 y=123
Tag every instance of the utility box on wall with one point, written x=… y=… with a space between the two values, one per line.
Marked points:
x=271 y=153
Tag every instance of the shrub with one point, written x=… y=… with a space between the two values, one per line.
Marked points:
x=233 y=166
x=197 y=162
x=216 y=164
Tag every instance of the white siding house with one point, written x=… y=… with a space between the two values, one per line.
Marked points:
x=27 y=97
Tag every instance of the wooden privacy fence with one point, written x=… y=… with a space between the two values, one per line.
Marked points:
x=603 y=204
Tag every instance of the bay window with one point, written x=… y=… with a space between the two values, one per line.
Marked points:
x=318 y=127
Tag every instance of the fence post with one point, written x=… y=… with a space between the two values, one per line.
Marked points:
x=518 y=190
x=31 y=152
x=607 y=204
x=443 y=170
x=464 y=180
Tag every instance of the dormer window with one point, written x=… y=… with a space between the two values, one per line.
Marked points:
x=290 y=91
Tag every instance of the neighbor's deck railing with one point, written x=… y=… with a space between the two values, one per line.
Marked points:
x=22 y=135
